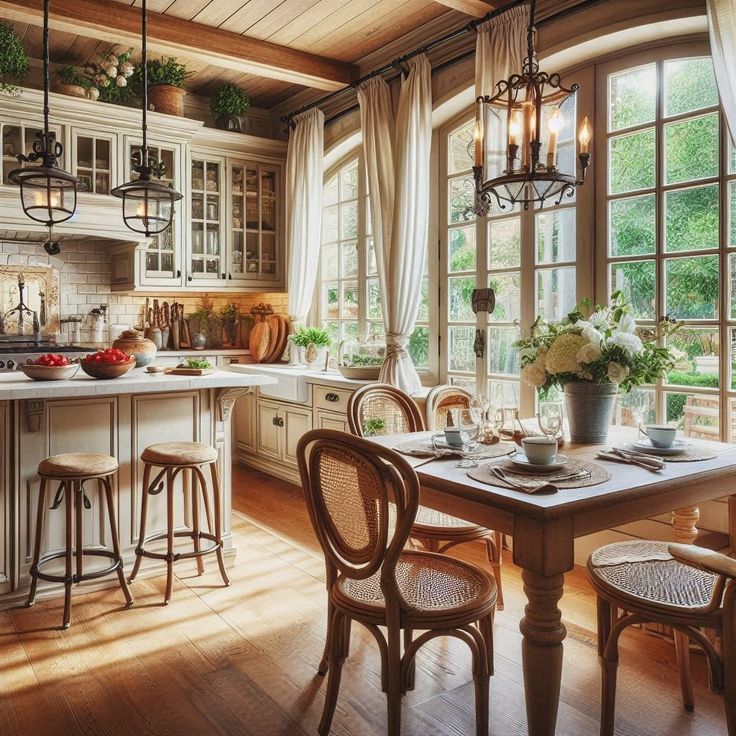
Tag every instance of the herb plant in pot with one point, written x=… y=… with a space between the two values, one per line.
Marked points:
x=311 y=344
x=229 y=105
x=166 y=77
x=593 y=360
x=13 y=60
x=70 y=80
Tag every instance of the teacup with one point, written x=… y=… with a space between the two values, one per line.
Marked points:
x=540 y=450
x=453 y=436
x=661 y=436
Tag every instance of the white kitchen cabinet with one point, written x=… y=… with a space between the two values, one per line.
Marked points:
x=244 y=424
x=6 y=493
x=296 y=423
x=269 y=430
x=330 y=420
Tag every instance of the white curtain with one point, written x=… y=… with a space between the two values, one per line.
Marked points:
x=722 y=29
x=304 y=181
x=398 y=184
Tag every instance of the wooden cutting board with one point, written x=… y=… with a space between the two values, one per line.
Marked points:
x=279 y=333
x=260 y=338
x=189 y=371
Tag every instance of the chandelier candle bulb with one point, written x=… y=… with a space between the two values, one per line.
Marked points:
x=528 y=116
x=584 y=135
x=554 y=125
x=478 y=144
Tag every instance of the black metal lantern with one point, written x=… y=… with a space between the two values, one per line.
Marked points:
x=518 y=139
x=48 y=194
x=148 y=205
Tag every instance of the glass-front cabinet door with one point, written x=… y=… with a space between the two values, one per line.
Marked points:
x=162 y=265
x=18 y=138
x=207 y=257
x=254 y=213
x=93 y=161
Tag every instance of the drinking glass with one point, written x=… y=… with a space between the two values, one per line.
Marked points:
x=638 y=401
x=478 y=408
x=550 y=417
x=469 y=431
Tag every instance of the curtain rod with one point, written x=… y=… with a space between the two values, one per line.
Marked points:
x=397 y=63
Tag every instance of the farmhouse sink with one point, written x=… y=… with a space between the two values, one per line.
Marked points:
x=292 y=380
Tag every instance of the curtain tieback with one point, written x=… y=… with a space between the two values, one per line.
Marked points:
x=396 y=346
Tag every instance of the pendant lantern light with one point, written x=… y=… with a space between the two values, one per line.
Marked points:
x=48 y=194
x=524 y=151
x=148 y=205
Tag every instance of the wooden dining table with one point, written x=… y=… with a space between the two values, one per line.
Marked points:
x=544 y=529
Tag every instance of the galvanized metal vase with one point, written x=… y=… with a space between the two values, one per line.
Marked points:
x=589 y=410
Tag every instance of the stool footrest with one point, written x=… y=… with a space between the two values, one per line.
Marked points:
x=37 y=573
x=141 y=552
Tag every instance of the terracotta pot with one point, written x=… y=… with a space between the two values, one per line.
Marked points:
x=141 y=348
x=72 y=90
x=167 y=99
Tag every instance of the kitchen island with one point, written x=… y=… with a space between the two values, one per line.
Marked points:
x=119 y=417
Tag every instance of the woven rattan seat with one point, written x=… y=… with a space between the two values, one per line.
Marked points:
x=362 y=501
x=179 y=453
x=675 y=585
x=396 y=413
x=428 y=583
x=77 y=465
x=640 y=572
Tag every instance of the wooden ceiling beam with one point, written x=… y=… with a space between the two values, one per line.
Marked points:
x=476 y=8
x=115 y=23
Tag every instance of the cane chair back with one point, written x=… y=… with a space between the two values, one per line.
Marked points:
x=380 y=409
x=442 y=399
x=362 y=500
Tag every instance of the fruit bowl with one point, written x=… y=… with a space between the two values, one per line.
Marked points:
x=107 y=370
x=50 y=372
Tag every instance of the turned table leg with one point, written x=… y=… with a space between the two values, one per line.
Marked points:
x=541 y=650
x=685 y=524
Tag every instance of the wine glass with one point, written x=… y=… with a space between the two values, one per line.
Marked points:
x=469 y=432
x=478 y=408
x=638 y=406
x=550 y=417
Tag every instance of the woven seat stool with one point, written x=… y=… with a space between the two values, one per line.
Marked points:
x=72 y=471
x=677 y=585
x=172 y=459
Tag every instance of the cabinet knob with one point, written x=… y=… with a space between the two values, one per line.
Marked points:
x=230 y=276
x=189 y=277
x=332 y=397
x=178 y=273
x=222 y=276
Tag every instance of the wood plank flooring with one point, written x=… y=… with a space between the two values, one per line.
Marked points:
x=242 y=660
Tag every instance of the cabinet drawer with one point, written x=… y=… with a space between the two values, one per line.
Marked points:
x=331 y=399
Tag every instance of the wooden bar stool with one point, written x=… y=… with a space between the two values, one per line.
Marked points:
x=72 y=471
x=173 y=458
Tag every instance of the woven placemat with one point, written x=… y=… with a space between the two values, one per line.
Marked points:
x=423 y=448
x=692 y=454
x=598 y=474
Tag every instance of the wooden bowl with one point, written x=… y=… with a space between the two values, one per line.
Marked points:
x=50 y=372
x=360 y=372
x=107 y=370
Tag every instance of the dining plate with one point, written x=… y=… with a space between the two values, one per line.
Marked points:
x=677 y=447
x=521 y=461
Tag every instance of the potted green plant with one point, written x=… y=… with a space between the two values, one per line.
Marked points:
x=13 y=60
x=229 y=104
x=70 y=80
x=166 y=77
x=311 y=343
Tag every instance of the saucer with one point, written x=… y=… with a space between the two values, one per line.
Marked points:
x=522 y=462
x=676 y=448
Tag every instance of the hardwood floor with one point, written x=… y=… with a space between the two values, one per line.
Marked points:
x=242 y=660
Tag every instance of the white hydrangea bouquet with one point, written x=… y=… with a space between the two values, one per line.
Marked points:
x=607 y=347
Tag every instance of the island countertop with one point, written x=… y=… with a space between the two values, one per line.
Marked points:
x=16 y=386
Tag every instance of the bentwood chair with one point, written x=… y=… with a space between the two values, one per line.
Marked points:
x=362 y=501
x=678 y=585
x=378 y=408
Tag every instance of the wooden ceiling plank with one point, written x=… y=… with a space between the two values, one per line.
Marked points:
x=242 y=19
x=216 y=13
x=173 y=36
x=476 y=8
x=274 y=21
x=186 y=9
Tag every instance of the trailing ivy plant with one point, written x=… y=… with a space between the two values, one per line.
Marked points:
x=13 y=60
x=72 y=75
x=229 y=101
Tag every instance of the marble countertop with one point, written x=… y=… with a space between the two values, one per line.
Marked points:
x=17 y=385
